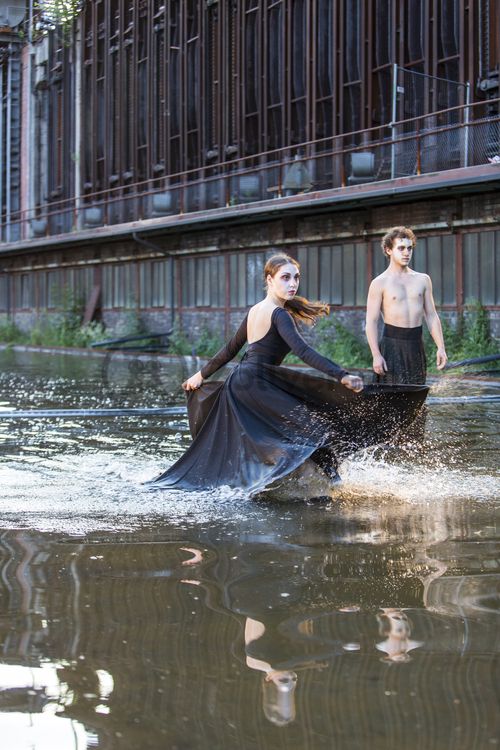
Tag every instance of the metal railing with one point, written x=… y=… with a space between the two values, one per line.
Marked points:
x=454 y=138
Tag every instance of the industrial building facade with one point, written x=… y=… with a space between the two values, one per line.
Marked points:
x=158 y=151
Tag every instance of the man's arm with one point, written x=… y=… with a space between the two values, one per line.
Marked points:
x=373 y=310
x=434 y=324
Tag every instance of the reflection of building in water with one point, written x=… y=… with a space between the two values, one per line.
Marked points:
x=132 y=643
x=33 y=723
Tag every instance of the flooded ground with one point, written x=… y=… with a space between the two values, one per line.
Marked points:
x=158 y=620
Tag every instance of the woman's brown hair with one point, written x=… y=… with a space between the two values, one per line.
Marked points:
x=300 y=307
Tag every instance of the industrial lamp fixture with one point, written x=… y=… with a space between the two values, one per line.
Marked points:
x=297 y=177
x=12 y=13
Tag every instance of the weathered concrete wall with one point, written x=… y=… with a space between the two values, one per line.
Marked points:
x=445 y=217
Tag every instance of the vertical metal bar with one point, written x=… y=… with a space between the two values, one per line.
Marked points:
x=461 y=42
x=77 y=181
x=312 y=91
x=263 y=79
x=339 y=78
x=369 y=263
x=309 y=91
x=394 y=117
x=370 y=64
x=288 y=72
x=459 y=271
x=466 y=121
x=227 y=294
x=171 y=266
x=184 y=93
x=2 y=151
x=8 y=138
x=480 y=43
x=134 y=119
x=419 y=155
x=362 y=69
x=235 y=72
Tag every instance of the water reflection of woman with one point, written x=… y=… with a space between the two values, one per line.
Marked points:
x=265 y=421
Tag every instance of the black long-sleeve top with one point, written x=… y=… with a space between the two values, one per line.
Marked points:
x=281 y=338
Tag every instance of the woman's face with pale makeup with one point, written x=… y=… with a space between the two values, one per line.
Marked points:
x=285 y=282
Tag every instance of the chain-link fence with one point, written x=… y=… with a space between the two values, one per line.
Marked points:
x=436 y=103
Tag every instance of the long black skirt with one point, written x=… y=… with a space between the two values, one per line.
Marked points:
x=404 y=353
x=265 y=421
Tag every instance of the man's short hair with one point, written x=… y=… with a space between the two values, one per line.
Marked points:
x=397 y=233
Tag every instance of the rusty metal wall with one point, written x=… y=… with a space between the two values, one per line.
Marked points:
x=183 y=85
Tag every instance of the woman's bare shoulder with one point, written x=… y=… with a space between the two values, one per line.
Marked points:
x=261 y=310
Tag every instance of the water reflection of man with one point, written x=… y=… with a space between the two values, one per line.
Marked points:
x=395 y=625
x=278 y=687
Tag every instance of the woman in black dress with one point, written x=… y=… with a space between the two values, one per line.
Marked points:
x=265 y=421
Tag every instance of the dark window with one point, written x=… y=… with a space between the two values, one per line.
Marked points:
x=155 y=283
x=336 y=274
x=384 y=32
x=79 y=282
x=275 y=72
x=416 y=28
x=246 y=280
x=299 y=49
x=353 y=40
x=275 y=56
x=203 y=282
x=481 y=252
x=325 y=48
x=4 y=293
x=383 y=96
x=119 y=287
x=54 y=281
x=352 y=67
x=448 y=28
x=251 y=62
x=436 y=257
x=158 y=103
x=24 y=288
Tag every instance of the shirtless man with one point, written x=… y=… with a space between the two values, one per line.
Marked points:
x=403 y=297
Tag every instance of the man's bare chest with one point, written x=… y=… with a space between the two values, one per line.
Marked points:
x=411 y=292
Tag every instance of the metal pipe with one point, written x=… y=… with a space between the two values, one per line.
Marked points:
x=473 y=361
x=126 y=339
x=176 y=411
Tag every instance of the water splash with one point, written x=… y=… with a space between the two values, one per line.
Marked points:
x=81 y=493
x=365 y=475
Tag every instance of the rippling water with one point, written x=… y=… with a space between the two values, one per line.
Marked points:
x=139 y=619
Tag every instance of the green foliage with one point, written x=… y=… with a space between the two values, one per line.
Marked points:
x=178 y=342
x=61 y=332
x=206 y=344
x=477 y=339
x=130 y=324
x=60 y=13
x=471 y=337
x=60 y=329
x=10 y=333
x=336 y=342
